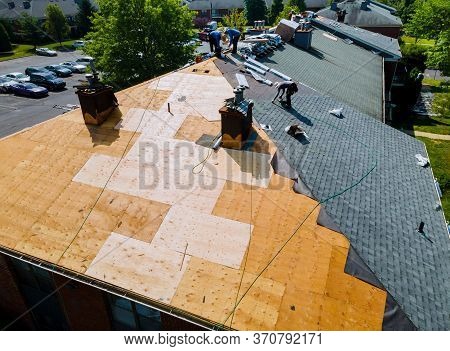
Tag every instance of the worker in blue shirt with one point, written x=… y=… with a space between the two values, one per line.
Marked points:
x=234 y=35
x=214 y=42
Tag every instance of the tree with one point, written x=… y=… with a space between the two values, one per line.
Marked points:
x=439 y=55
x=56 y=23
x=135 y=40
x=286 y=13
x=236 y=19
x=83 y=17
x=255 y=10
x=299 y=4
x=31 y=28
x=430 y=18
x=5 y=43
x=275 y=10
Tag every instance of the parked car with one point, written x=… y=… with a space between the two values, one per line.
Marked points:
x=59 y=70
x=19 y=77
x=78 y=44
x=85 y=60
x=49 y=81
x=75 y=67
x=46 y=52
x=35 y=69
x=5 y=84
x=28 y=89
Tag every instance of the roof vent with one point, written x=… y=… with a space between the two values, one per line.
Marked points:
x=365 y=5
x=341 y=16
x=11 y=5
x=26 y=5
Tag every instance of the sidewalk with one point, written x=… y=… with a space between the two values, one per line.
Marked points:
x=427 y=135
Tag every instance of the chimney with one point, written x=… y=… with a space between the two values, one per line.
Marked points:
x=237 y=119
x=334 y=6
x=303 y=37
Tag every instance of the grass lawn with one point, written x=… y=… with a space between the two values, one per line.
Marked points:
x=410 y=40
x=439 y=153
x=23 y=50
x=435 y=125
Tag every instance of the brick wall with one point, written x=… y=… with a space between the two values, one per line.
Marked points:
x=84 y=305
x=12 y=303
x=393 y=32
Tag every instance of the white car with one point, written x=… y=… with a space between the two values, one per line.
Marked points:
x=85 y=60
x=78 y=44
x=5 y=84
x=46 y=52
x=18 y=77
x=75 y=67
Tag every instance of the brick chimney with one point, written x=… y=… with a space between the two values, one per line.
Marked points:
x=236 y=120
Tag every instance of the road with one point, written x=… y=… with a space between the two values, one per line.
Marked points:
x=17 y=113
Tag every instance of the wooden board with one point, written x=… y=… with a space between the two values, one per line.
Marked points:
x=139 y=267
x=215 y=239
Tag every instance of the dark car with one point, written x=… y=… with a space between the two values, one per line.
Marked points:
x=50 y=81
x=59 y=70
x=28 y=89
x=35 y=69
x=5 y=84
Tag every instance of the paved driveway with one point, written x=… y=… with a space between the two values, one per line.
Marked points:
x=17 y=113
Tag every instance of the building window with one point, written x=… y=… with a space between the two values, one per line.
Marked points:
x=128 y=315
x=37 y=287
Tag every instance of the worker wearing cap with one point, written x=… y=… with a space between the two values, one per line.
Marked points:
x=214 y=42
x=234 y=35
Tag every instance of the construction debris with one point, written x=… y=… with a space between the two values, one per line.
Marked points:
x=242 y=80
x=259 y=78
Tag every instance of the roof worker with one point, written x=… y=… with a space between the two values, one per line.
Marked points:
x=287 y=86
x=234 y=35
x=214 y=42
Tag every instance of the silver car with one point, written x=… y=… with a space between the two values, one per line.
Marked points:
x=46 y=52
x=5 y=84
x=75 y=67
x=18 y=77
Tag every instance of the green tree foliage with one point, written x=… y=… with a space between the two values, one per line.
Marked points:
x=135 y=40
x=83 y=17
x=430 y=18
x=8 y=24
x=255 y=10
x=30 y=28
x=439 y=55
x=275 y=10
x=236 y=19
x=286 y=13
x=414 y=56
x=55 y=22
x=299 y=4
x=5 y=43
x=405 y=8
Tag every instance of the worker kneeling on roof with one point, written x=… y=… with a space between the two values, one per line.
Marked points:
x=234 y=35
x=214 y=42
x=287 y=86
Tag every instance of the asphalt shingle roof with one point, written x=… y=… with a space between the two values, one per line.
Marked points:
x=388 y=47
x=346 y=72
x=374 y=16
x=391 y=194
x=381 y=213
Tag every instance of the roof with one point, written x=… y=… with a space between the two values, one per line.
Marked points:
x=37 y=8
x=388 y=47
x=387 y=194
x=204 y=5
x=221 y=244
x=347 y=72
x=374 y=16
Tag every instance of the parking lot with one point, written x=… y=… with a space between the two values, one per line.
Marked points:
x=17 y=112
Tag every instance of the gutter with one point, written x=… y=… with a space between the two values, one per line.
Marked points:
x=112 y=289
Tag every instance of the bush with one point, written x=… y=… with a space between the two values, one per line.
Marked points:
x=200 y=22
x=414 y=56
x=5 y=44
